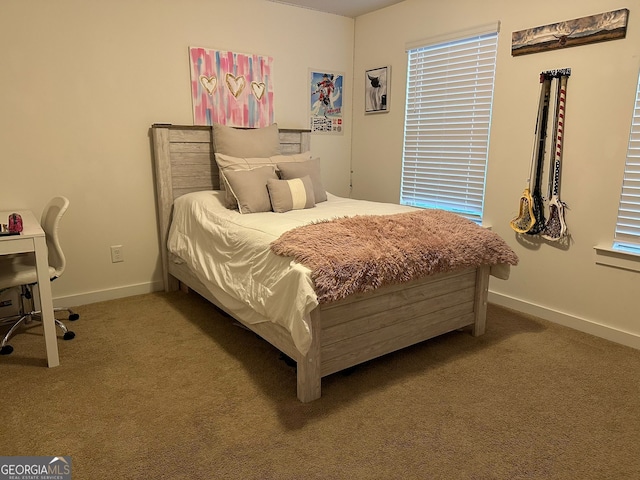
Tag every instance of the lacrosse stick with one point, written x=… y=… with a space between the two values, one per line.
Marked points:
x=556 y=228
x=526 y=217
x=536 y=195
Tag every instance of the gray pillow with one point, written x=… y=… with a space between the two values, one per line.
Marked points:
x=296 y=157
x=289 y=170
x=251 y=142
x=227 y=163
x=294 y=194
x=249 y=187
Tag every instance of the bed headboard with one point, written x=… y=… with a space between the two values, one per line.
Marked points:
x=184 y=162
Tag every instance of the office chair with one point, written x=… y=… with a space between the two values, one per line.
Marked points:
x=20 y=271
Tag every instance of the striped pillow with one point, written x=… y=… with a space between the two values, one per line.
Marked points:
x=294 y=194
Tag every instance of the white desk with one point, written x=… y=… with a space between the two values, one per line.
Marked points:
x=32 y=239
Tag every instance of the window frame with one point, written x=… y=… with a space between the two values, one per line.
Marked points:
x=624 y=251
x=440 y=170
x=627 y=230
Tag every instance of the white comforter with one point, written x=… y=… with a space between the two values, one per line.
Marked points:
x=229 y=252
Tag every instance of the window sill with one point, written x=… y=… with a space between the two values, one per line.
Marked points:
x=615 y=258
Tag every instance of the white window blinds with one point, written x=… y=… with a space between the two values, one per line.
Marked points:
x=447 y=121
x=627 y=237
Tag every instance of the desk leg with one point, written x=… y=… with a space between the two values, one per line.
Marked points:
x=46 y=301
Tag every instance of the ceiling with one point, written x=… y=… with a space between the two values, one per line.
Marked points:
x=346 y=8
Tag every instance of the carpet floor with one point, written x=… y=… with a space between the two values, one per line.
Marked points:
x=165 y=386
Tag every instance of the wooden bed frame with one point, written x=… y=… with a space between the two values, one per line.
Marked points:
x=344 y=333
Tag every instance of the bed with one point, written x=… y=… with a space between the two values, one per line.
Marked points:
x=341 y=333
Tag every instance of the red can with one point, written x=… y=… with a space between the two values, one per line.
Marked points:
x=15 y=223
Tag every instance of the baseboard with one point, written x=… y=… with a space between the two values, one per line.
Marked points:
x=110 y=294
x=625 y=338
x=619 y=336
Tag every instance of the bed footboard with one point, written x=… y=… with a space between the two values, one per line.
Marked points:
x=367 y=326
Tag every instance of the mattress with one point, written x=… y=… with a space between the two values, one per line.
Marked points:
x=230 y=253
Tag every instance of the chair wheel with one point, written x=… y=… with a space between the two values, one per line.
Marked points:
x=74 y=316
x=6 y=350
x=68 y=335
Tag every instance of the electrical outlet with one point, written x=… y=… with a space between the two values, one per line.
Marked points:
x=117 y=254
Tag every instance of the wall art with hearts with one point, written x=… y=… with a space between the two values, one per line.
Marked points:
x=234 y=89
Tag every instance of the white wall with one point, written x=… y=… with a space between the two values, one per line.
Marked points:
x=82 y=81
x=562 y=284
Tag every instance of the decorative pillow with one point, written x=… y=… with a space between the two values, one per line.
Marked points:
x=242 y=163
x=251 y=142
x=297 y=157
x=294 y=194
x=234 y=162
x=289 y=170
x=249 y=187
x=227 y=163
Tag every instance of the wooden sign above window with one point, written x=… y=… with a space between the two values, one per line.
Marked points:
x=581 y=31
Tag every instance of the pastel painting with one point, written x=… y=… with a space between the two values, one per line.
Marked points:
x=581 y=31
x=230 y=88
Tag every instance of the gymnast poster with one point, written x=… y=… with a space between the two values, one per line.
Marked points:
x=325 y=102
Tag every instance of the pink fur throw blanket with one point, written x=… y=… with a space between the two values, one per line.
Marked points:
x=358 y=254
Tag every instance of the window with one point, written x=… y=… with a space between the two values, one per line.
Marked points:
x=447 y=122
x=627 y=237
